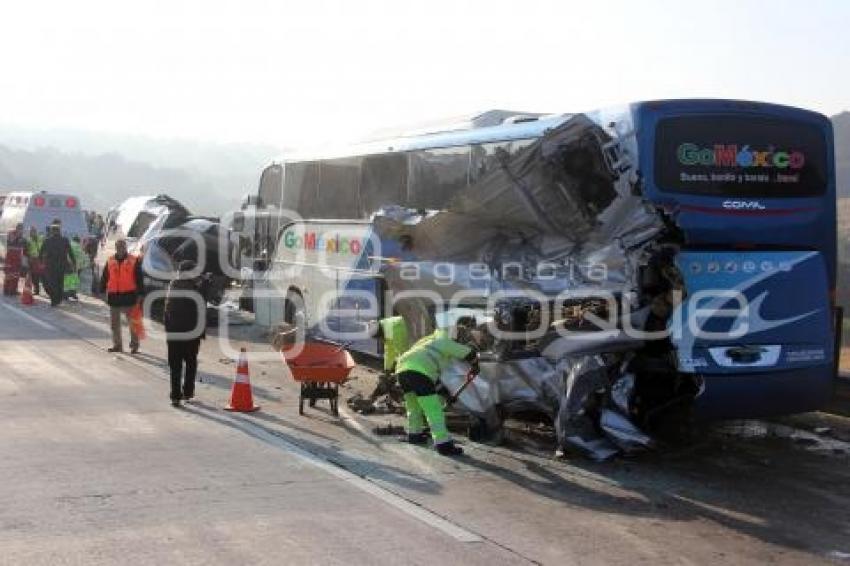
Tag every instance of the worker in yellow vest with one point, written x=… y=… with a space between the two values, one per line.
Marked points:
x=418 y=371
x=72 y=278
x=34 y=243
x=392 y=332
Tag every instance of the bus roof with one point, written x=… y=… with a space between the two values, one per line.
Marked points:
x=531 y=128
x=528 y=125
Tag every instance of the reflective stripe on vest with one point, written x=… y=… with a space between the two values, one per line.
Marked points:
x=121 y=275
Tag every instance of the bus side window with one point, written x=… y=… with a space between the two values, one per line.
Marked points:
x=436 y=175
x=484 y=158
x=339 y=188
x=271 y=186
x=301 y=188
x=383 y=181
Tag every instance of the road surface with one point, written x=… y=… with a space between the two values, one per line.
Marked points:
x=100 y=469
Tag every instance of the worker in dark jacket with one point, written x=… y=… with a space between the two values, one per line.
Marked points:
x=57 y=259
x=185 y=325
x=123 y=283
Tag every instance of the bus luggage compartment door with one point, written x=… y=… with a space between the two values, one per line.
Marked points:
x=757 y=327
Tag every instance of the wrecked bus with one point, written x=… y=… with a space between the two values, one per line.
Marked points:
x=633 y=268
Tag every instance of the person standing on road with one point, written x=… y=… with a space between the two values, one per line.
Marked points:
x=392 y=332
x=122 y=282
x=97 y=228
x=185 y=325
x=57 y=259
x=71 y=282
x=14 y=262
x=418 y=372
x=34 y=243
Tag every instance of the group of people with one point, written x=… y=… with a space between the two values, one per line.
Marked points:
x=184 y=314
x=54 y=261
x=51 y=259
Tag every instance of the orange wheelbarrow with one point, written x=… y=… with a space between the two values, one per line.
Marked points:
x=319 y=368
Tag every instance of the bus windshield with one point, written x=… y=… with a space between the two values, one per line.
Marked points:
x=742 y=156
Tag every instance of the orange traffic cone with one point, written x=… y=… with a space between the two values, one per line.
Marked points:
x=26 y=296
x=241 y=398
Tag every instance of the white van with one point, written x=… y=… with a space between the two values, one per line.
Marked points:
x=40 y=209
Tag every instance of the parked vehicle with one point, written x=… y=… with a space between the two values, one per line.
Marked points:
x=40 y=209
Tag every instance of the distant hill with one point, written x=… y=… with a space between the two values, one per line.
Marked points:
x=103 y=169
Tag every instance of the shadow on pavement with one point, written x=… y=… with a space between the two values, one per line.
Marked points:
x=264 y=416
x=772 y=493
x=361 y=467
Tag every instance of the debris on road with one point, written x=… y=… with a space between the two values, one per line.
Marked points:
x=382 y=405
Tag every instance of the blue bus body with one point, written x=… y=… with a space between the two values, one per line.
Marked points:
x=778 y=250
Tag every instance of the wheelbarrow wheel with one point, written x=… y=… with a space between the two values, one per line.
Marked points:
x=301 y=401
x=335 y=401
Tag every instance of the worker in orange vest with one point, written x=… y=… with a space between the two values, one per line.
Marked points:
x=123 y=283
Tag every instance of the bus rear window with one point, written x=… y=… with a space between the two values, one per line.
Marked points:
x=740 y=156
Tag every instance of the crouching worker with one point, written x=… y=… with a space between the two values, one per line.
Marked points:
x=185 y=325
x=418 y=371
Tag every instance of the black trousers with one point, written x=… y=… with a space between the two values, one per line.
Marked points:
x=418 y=383
x=182 y=352
x=54 y=280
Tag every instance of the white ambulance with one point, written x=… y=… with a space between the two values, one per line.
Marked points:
x=40 y=209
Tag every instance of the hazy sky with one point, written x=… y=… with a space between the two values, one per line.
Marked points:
x=299 y=73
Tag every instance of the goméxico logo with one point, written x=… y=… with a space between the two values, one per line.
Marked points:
x=731 y=155
x=328 y=243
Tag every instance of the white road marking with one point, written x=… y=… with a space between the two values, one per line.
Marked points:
x=399 y=451
x=404 y=505
x=352 y=422
x=29 y=317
